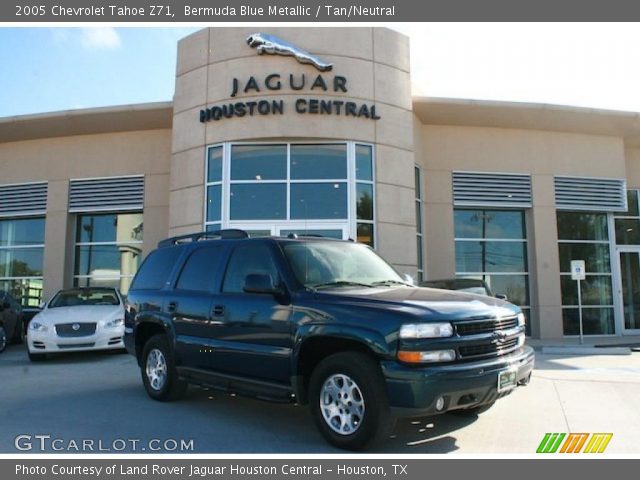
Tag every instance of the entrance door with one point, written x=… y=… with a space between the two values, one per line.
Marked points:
x=630 y=289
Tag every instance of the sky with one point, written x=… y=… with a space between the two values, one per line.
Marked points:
x=588 y=65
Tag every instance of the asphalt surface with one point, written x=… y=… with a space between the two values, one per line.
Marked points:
x=99 y=397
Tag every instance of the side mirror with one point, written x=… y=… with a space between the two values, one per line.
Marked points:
x=260 y=283
x=501 y=296
x=42 y=305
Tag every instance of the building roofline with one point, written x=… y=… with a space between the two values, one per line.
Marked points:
x=120 y=118
x=528 y=116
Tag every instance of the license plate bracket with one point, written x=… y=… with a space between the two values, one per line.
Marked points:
x=507 y=380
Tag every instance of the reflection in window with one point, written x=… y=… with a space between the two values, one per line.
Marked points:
x=108 y=249
x=584 y=236
x=491 y=245
x=319 y=201
x=21 y=259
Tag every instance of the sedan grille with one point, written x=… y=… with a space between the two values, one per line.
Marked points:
x=73 y=330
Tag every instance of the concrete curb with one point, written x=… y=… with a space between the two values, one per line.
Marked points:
x=584 y=350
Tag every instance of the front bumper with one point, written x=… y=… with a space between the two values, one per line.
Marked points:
x=413 y=391
x=49 y=342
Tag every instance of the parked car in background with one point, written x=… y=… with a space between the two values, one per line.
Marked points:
x=467 y=285
x=10 y=320
x=77 y=319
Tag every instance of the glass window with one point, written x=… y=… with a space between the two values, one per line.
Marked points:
x=364 y=162
x=595 y=321
x=214 y=166
x=319 y=200
x=246 y=260
x=21 y=262
x=108 y=249
x=491 y=256
x=505 y=224
x=491 y=246
x=584 y=236
x=627 y=231
x=595 y=255
x=155 y=270
x=582 y=226
x=200 y=269
x=214 y=203
x=632 y=202
x=22 y=232
x=419 y=233
x=259 y=162
x=364 y=201
x=315 y=162
x=328 y=233
x=21 y=258
x=365 y=233
x=258 y=201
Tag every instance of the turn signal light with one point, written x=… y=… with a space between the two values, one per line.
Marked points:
x=428 y=356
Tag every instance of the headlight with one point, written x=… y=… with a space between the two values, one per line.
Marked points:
x=428 y=356
x=426 y=330
x=521 y=319
x=38 y=327
x=114 y=323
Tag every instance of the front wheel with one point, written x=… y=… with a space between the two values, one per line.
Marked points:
x=348 y=400
x=158 y=370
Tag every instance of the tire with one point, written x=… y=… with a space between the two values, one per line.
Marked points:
x=36 y=357
x=473 y=411
x=158 y=370
x=3 y=338
x=337 y=386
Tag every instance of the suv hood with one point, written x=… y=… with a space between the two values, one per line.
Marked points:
x=432 y=303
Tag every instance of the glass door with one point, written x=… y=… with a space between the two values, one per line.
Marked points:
x=324 y=229
x=630 y=289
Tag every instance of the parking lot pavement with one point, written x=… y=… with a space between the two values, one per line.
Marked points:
x=99 y=396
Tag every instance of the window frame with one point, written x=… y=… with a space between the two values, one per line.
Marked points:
x=350 y=222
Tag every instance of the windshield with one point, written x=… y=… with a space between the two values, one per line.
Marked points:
x=84 y=297
x=329 y=264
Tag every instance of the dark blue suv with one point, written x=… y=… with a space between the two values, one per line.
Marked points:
x=321 y=322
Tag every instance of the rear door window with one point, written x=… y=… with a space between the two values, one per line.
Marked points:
x=200 y=270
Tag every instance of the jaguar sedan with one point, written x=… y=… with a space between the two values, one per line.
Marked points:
x=77 y=319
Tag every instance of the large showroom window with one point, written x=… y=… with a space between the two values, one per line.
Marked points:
x=108 y=249
x=585 y=236
x=281 y=188
x=491 y=245
x=21 y=257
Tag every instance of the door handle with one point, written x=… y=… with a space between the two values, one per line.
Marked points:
x=172 y=307
x=218 y=310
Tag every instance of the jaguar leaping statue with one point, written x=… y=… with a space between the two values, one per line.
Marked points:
x=271 y=45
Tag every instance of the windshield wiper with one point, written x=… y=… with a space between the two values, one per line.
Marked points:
x=339 y=283
x=383 y=283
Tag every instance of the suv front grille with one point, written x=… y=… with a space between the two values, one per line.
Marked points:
x=485 y=326
x=488 y=349
x=66 y=330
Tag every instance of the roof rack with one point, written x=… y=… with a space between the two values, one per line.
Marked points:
x=230 y=233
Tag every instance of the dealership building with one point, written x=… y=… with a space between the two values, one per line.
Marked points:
x=315 y=130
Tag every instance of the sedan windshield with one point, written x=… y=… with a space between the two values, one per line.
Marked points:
x=339 y=264
x=84 y=297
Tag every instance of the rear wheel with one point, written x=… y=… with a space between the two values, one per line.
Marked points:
x=3 y=338
x=349 y=401
x=158 y=370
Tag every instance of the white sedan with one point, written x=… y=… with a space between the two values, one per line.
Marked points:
x=75 y=320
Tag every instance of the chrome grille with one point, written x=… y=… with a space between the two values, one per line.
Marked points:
x=485 y=326
x=488 y=349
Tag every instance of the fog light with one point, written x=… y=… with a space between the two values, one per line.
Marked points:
x=440 y=403
x=428 y=356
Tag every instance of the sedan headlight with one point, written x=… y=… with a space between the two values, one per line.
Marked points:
x=521 y=319
x=426 y=330
x=114 y=323
x=38 y=327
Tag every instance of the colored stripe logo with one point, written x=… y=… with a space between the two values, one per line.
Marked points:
x=574 y=442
